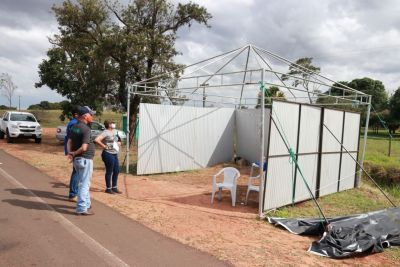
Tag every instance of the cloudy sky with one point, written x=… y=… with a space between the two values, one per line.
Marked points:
x=347 y=39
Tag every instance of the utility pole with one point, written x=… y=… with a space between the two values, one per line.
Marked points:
x=19 y=103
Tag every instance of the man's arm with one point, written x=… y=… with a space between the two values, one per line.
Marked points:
x=68 y=149
x=79 y=151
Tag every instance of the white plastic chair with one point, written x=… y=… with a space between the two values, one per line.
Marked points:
x=250 y=185
x=230 y=180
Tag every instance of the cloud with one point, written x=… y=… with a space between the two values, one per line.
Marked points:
x=347 y=39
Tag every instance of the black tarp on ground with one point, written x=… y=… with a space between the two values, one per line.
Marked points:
x=351 y=235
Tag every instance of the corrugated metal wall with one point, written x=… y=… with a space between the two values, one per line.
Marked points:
x=178 y=138
x=248 y=133
x=304 y=139
x=350 y=142
x=331 y=151
x=279 y=178
x=308 y=149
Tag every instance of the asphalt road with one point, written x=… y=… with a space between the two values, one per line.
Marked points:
x=38 y=227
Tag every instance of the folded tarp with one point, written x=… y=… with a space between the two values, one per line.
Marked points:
x=348 y=236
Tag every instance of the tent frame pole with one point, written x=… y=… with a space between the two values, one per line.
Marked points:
x=127 y=127
x=262 y=136
x=358 y=179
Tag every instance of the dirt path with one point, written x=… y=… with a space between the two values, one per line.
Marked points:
x=178 y=206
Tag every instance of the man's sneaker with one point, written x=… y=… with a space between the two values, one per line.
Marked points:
x=85 y=213
x=73 y=199
x=109 y=191
x=115 y=190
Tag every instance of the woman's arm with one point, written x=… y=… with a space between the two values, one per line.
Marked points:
x=99 y=142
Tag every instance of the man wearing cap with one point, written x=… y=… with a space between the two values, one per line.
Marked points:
x=81 y=150
x=73 y=183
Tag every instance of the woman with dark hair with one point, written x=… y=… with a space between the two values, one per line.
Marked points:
x=110 y=142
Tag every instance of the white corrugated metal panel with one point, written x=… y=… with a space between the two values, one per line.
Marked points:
x=347 y=171
x=164 y=141
x=350 y=142
x=248 y=133
x=309 y=167
x=329 y=174
x=286 y=117
x=171 y=136
x=213 y=139
x=351 y=131
x=333 y=119
x=279 y=183
x=308 y=143
x=309 y=129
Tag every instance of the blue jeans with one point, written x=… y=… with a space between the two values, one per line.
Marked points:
x=73 y=184
x=112 y=168
x=84 y=169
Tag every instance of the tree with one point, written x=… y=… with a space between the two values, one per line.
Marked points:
x=273 y=92
x=46 y=105
x=375 y=88
x=305 y=70
x=334 y=91
x=78 y=66
x=7 y=87
x=4 y=107
x=103 y=46
x=152 y=27
x=394 y=105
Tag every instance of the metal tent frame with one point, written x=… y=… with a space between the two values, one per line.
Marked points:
x=243 y=69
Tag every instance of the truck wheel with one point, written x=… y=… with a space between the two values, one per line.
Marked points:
x=38 y=140
x=1 y=135
x=9 y=139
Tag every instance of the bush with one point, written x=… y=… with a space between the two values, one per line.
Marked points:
x=3 y=107
x=393 y=175
x=381 y=174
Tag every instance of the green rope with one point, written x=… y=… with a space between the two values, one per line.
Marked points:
x=384 y=124
x=292 y=157
x=292 y=160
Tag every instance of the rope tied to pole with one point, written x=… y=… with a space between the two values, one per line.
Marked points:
x=292 y=160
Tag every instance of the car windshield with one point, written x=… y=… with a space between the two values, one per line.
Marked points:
x=22 y=117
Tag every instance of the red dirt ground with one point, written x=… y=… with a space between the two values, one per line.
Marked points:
x=178 y=205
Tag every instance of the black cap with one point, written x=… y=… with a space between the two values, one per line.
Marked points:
x=75 y=109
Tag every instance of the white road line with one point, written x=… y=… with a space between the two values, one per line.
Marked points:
x=110 y=258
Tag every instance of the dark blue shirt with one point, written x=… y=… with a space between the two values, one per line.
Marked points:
x=68 y=133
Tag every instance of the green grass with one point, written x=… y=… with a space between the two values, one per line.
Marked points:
x=358 y=200
x=382 y=133
x=378 y=149
x=51 y=118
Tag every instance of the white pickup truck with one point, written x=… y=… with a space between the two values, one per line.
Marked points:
x=15 y=124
